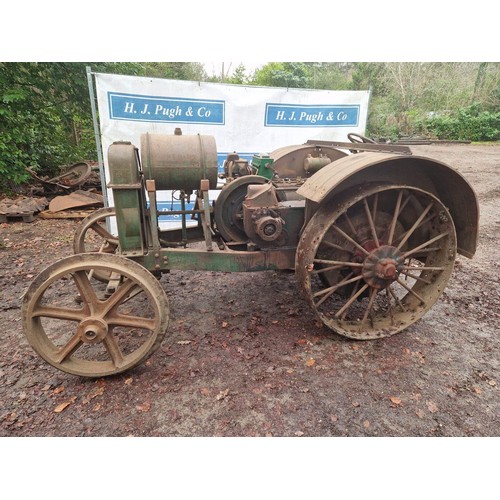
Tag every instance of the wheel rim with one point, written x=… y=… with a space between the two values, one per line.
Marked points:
x=374 y=262
x=80 y=326
x=93 y=236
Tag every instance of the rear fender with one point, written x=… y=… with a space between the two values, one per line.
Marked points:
x=428 y=174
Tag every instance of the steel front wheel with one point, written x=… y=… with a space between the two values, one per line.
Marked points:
x=81 y=326
x=374 y=261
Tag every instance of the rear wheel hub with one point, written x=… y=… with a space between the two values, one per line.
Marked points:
x=382 y=266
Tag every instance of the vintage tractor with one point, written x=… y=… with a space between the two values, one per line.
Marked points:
x=371 y=231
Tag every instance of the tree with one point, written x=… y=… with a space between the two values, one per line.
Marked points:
x=287 y=74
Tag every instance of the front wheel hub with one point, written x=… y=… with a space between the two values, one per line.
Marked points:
x=382 y=266
x=92 y=330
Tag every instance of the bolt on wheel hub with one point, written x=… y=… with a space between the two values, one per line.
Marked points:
x=92 y=330
x=382 y=266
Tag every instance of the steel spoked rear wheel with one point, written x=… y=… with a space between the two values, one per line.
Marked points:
x=83 y=327
x=376 y=260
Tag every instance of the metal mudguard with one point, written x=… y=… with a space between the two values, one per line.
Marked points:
x=425 y=173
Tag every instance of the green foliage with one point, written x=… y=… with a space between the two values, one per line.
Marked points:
x=470 y=123
x=286 y=74
x=46 y=122
x=40 y=106
x=45 y=113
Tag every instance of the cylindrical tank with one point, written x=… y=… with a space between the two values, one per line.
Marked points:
x=179 y=161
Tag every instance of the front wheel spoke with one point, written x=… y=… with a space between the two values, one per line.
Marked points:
x=126 y=320
x=120 y=295
x=410 y=290
x=85 y=288
x=111 y=344
x=351 y=301
x=423 y=245
x=59 y=313
x=65 y=352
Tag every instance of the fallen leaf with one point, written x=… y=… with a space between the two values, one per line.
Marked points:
x=477 y=389
x=310 y=362
x=420 y=413
x=184 y=342
x=58 y=390
x=395 y=400
x=224 y=324
x=129 y=381
x=144 y=407
x=299 y=433
x=205 y=391
x=356 y=404
x=222 y=395
x=492 y=382
x=98 y=392
x=97 y=407
x=432 y=407
x=63 y=406
x=366 y=424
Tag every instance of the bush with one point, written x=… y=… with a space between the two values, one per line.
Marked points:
x=467 y=124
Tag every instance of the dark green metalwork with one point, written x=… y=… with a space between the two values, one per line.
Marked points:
x=128 y=195
x=264 y=165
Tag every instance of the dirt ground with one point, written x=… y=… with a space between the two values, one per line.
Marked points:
x=244 y=356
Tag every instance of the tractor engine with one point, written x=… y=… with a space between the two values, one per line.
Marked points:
x=269 y=222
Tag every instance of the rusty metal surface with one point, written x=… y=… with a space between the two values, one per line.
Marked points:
x=75 y=199
x=372 y=237
x=426 y=173
x=289 y=160
x=80 y=327
x=179 y=161
x=375 y=260
x=362 y=147
x=228 y=211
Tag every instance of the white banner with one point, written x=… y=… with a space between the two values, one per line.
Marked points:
x=245 y=119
